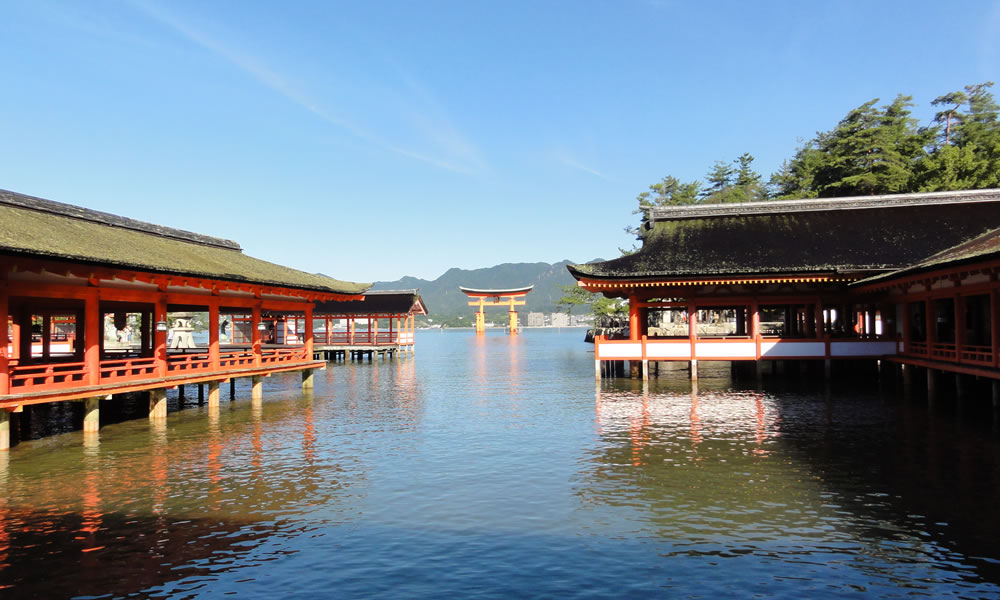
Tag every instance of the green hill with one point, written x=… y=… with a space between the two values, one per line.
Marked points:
x=445 y=301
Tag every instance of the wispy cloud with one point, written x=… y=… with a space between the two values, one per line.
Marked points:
x=563 y=157
x=456 y=153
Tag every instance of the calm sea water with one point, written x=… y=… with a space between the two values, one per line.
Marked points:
x=496 y=468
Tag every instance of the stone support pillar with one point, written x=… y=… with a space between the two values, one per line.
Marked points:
x=4 y=429
x=213 y=394
x=92 y=414
x=307 y=379
x=256 y=387
x=158 y=404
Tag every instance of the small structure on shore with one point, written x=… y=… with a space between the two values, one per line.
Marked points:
x=509 y=297
x=909 y=278
x=69 y=274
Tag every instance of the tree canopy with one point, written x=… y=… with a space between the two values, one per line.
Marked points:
x=874 y=149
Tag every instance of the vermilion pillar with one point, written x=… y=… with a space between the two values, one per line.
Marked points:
x=309 y=331
x=92 y=337
x=4 y=341
x=633 y=318
x=255 y=335
x=213 y=335
x=160 y=337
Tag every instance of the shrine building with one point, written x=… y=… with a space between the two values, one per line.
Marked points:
x=909 y=278
x=97 y=304
x=384 y=324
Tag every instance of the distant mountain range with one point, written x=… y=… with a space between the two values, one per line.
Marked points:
x=444 y=299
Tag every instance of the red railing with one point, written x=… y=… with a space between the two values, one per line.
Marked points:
x=976 y=354
x=361 y=338
x=66 y=375
x=53 y=376
x=235 y=359
x=188 y=362
x=282 y=355
x=942 y=351
x=126 y=369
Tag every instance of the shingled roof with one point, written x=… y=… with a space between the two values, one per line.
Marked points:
x=377 y=302
x=982 y=248
x=858 y=235
x=41 y=228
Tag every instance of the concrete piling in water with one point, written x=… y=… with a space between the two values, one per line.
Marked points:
x=256 y=387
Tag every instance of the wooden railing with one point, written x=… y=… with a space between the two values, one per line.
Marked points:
x=360 y=338
x=976 y=354
x=126 y=369
x=50 y=376
x=64 y=375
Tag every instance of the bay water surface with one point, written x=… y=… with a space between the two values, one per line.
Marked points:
x=496 y=467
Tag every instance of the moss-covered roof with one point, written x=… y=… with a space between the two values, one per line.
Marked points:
x=980 y=248
x=825 y=236
x=41 y=228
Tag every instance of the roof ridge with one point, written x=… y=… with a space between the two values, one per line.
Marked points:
x=72 y=211
x=771 y=207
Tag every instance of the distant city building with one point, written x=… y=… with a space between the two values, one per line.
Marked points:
x=559 y=319
x=536 y=319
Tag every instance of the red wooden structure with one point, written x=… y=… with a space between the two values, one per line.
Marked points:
x=345 y=326
x=819 y=279
x=89 y=300
x=509 y=297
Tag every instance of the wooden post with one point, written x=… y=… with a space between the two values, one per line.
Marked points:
x=92 y=414
x=818 y=318
x=307 y=379
x=255 y=335
x=4 y=340
x=213 y=393
x=930 y=325
x=309 y=332
x=633 y=318
x=232 y=388
x=158 y=404
x=693 y=337
x=213 y=341
x=959 y=307
x=91 y=337
x=160 y=337
x=995 y=325
x=256 y=387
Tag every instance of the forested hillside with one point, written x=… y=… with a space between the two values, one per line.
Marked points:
x=446 y=302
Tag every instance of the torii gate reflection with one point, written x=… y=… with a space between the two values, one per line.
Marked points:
x=510 y=297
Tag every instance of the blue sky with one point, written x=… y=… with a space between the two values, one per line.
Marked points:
x=373 y=140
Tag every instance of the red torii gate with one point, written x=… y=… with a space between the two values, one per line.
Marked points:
x=510 y=297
